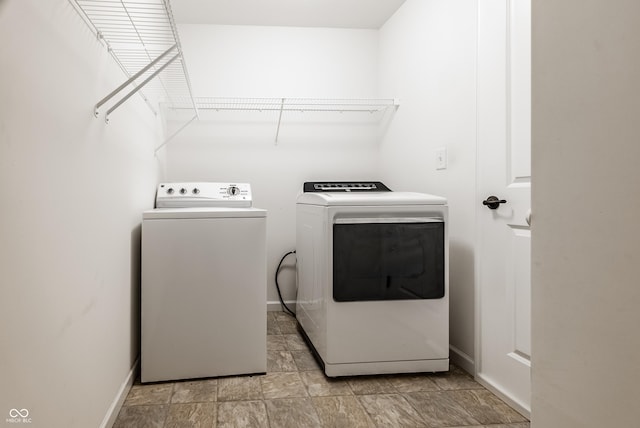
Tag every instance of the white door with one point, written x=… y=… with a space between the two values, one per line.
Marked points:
x=503 y=295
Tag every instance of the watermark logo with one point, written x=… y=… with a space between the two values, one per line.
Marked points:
x=18 y=416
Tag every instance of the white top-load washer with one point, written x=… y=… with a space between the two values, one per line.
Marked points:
x=373 y=283
x=203 y=283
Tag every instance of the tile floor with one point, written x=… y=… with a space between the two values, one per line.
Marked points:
x=295 y=393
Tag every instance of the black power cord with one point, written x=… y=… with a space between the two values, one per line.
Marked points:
x=284 y=305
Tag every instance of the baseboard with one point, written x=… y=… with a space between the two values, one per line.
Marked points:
x=462 y=360
x=114 y=409
x=277 y=306
x=515 y=405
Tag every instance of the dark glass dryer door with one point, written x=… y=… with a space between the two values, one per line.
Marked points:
x=388 y=259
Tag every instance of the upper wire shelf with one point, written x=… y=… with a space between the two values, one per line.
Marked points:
x=376 y=107
x=142 y=38
x=288 y=104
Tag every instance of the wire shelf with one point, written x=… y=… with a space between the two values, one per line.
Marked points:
x=277 y=108
x=142 y=37
x=288 y=104
x=137 y=33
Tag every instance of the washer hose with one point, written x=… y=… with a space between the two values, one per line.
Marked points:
x=284 y=305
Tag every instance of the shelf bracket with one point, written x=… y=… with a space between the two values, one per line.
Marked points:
x=175 y=133
x=137 y=88
x=113 y=93
x=279 y=120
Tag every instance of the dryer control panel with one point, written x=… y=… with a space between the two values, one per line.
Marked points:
x=344 y=186
x=203 y=194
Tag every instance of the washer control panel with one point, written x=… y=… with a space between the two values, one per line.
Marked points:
x=203 y=194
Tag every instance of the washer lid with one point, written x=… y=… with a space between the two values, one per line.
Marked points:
x=203 y=212
x=370 y=199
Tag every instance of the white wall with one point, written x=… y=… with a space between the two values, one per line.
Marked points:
x=586 y=205
x=424 y=55
x=249 y=61
x=71 y=198
x=427 y=59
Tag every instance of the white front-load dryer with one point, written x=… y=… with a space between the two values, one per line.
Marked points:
x=373 y=284
x=204 y=276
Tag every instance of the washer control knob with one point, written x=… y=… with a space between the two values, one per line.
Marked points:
x=196 y=191
x=233 y=190
x=170 y=191
x=183 y=191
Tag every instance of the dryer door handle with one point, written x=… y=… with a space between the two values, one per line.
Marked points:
x=380 y=220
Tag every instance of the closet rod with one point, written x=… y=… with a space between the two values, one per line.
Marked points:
x=132 y=78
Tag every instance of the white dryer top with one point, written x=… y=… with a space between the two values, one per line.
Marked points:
x=369 y=199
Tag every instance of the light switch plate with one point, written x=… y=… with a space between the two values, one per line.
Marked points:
x=441 y=158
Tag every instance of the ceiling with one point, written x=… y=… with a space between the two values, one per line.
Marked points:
x=289 y=13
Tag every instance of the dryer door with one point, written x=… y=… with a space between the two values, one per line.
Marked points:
x=388 y=259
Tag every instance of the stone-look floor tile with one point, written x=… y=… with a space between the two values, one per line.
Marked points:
x=440 y=399
x=242 y=414
x=272 y=326
x=486 y=408
x=305 y=360
x=195 y=391
x=365 y=385
x=239 y=388
x=191 y=415
x=440 y=408
x=151 y=416
x=413 y=383
x=288 y=325
x=342 y=412
x=455 y=378
x=282 y=316
x=158 y=393
x=295 y=342
x=276 y=342
x=280 y=361
x=292 y=413
x=391 y=410
x=319 y=385
x=282 y=385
